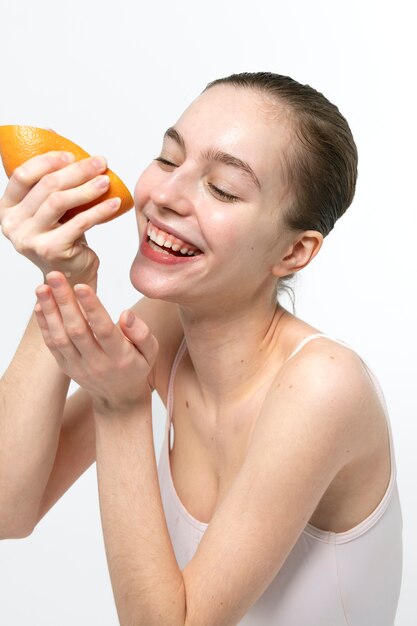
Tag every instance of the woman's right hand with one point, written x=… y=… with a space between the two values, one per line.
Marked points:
x=38 y=194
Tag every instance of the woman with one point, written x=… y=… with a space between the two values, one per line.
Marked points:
x=276 y=500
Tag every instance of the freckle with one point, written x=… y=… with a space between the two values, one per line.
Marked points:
x=242 y=361
x=221 y=603
x=279 y=385
x=290 y=386
x=251 y=247
x=332 y=357
x=186 y=404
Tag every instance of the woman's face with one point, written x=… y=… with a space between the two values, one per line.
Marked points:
x=219 y=184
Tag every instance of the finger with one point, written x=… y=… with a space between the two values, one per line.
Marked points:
x=139 y=334
x=58 y=338
x=29 y=173
x=43 y=325
x=59 y=202
x=73 y=322
x=44 y=328
x=107 y=333
x=68 y=177
x=75 y=227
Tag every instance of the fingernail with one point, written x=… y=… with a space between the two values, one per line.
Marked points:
x=42 y=295
x=130 y=318
x=80 y=291
x=102 y=182
x=54 y=282
x=67 y=157
x=114 y=203
x=99 y=162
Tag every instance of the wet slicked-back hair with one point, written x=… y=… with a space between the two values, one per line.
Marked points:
x=322 y=159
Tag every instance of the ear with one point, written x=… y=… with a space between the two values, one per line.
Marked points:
x=302 y=250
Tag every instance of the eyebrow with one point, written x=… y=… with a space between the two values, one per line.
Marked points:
x=217 y=155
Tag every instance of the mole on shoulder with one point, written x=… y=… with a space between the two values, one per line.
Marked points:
x=186 y=404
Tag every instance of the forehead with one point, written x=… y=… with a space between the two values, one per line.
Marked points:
x=239 y=121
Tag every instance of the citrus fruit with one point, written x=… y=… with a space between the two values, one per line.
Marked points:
x=20 y=143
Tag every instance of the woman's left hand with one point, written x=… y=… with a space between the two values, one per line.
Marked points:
x=111 y=363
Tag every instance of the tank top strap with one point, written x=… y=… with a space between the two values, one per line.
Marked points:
x=373 y=378
x=174 y=368
x=303 y=343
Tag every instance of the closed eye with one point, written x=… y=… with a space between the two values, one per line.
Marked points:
x=165 y=162
x=223 y=194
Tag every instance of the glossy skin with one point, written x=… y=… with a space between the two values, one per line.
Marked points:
x=243 y=236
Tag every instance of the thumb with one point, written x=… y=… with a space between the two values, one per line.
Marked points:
x=138 y=333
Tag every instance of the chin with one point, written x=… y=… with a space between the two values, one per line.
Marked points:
x=149 y=284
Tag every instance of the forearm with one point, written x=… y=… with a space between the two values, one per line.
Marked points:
x=147 y=582
x=33 y=391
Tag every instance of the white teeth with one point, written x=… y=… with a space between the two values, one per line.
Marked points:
x=159 y=239
x=155 y=247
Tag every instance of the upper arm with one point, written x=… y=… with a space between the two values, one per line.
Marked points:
x=309 y=422
x=76 y=445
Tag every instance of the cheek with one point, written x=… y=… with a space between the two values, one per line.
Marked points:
x=224 y=227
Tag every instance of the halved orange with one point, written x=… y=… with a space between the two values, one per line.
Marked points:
x=20 y=143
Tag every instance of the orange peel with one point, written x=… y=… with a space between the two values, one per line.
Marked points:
x=20 y=143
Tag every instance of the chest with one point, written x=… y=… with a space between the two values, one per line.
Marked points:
x=207 y=455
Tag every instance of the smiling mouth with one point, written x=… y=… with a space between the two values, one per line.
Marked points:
x=168 y=251
x=167 y=244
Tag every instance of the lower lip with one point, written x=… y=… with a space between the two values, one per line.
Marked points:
x=165 y=259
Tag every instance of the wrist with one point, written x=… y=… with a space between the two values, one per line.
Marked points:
x=91 y=281
x=104 y=408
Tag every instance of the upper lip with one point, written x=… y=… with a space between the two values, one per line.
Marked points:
x=171 y=231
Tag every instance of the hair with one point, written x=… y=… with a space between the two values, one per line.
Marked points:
x=322 y=160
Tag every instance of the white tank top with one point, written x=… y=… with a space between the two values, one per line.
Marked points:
x=351 y=578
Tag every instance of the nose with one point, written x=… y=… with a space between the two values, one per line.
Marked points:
x=173 y=193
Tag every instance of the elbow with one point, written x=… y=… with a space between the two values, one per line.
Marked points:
x=15 y=531
x=16 y=520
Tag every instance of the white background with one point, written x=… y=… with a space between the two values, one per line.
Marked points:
x=112 y=77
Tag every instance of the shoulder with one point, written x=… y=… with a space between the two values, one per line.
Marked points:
x=324 y=367
x=325 y=392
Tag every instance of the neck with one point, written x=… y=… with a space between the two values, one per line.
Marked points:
x=230 y=349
